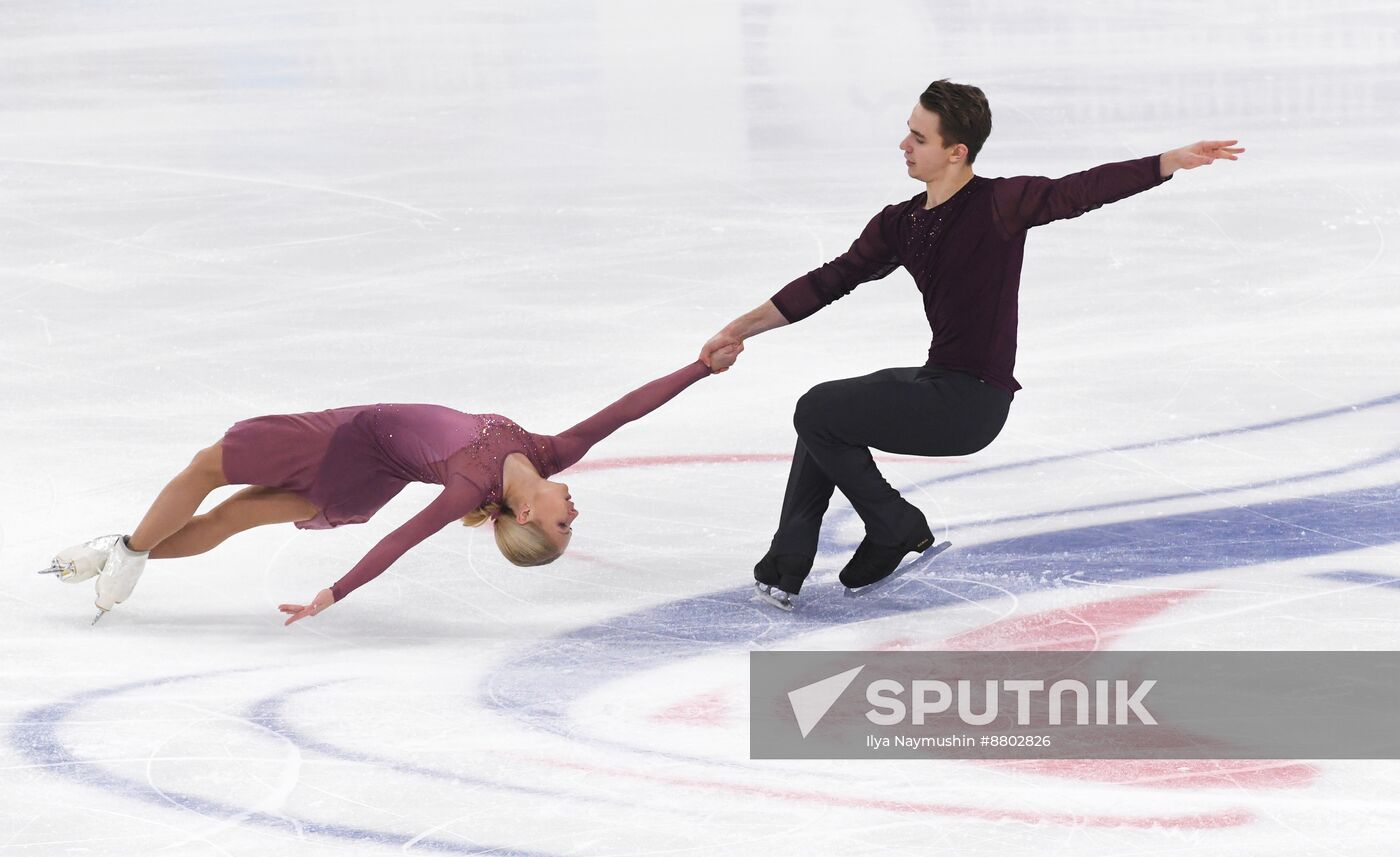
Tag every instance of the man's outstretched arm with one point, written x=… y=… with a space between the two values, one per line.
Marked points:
x=1198 y=155
x=1024 y=202
x=763 y=317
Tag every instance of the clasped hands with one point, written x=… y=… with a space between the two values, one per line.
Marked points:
x=721 y=351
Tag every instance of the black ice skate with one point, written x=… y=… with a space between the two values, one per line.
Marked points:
x=896 y=574
x=778 y=578
x=774 y=596
x=872 y=563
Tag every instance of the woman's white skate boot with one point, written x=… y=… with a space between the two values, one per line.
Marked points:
x=119 y=576
x=82 y=562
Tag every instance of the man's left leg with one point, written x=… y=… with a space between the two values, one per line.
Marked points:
x=794 y=546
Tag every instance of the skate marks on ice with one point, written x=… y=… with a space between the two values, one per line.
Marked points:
x=772 y=596
x=269 y=712
x=538 y=692
x=1310 y=526
x=1282 y=422
x=1230 y=536
x=1364 y=578
x=37 y=739
x=533 y=687
x=1361 y=465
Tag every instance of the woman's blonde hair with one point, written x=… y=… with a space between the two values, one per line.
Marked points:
x=524 y=545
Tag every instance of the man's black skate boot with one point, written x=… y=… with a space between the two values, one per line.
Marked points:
x=784 y=571
x=873 y=562
x=778 y=578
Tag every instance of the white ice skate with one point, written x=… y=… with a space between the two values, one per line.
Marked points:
x=82 y=562
x=118 y=576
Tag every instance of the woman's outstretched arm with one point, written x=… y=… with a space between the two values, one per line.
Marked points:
x=573 y=444
x=450 y=505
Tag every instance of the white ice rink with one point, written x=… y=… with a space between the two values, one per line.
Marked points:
x=210 y=211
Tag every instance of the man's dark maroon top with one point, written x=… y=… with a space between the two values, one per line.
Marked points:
x=965 y=256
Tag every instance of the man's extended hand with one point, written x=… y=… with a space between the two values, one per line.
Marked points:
x=723 y=358
x=1198 y=155
x=763 y=317
x=721 y=342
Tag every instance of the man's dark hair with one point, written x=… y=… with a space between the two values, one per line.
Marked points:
x=963 y=114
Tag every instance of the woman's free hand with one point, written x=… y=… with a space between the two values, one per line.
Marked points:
x=323 y=599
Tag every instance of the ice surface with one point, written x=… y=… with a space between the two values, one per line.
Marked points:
x=212 y=211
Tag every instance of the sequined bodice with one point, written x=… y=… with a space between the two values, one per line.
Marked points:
x=434 y=444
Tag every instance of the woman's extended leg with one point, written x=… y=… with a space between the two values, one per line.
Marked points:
x=254 y=506
x=171 y=511
x=178 y=501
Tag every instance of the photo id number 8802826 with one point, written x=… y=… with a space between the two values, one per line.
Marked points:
x=1015 y=740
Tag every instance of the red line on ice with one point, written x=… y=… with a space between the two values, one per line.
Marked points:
x=718 y=458
x=1091 y=627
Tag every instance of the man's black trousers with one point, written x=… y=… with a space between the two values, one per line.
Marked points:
x=918 y=411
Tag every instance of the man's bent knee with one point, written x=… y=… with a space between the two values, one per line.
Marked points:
x=815 y=407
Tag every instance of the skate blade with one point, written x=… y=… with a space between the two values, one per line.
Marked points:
x=782 y=601
x=66 y=572
x=100 y=614
x=928 y=554
x=63 y=574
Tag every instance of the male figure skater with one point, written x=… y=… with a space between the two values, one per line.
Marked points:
x=962 y=240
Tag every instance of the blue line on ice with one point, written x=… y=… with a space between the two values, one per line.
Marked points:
x=1362 y=577
x=35 y=738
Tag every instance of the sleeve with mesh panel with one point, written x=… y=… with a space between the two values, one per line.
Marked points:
x=573 y=444
x=1026 y=201
x=455 y=501
x=871 y=257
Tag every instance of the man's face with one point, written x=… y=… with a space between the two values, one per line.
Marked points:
x=924 y=153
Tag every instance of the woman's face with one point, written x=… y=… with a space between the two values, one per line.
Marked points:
x=553 y=510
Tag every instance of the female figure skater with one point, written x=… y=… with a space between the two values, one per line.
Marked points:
x=330 y=468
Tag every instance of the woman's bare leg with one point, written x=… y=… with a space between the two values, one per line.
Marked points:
x=178 y=501
x=254 y=506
